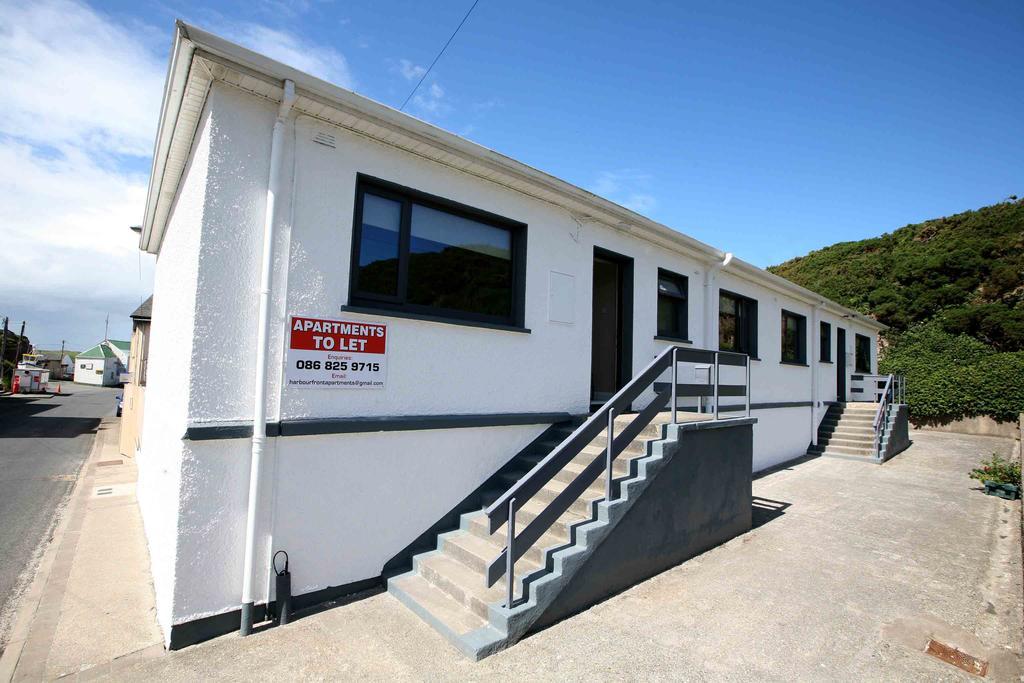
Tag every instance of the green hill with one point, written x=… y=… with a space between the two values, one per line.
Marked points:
x=952 y=290
x=965 y=272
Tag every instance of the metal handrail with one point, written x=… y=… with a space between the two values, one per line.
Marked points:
x=882 y=403
x=503 y=510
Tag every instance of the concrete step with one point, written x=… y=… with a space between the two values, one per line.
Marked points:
x=860 y=406
x=840 y=441
x=434 y=604
x=832 y=453
x=476 y=552
x=447 y=586
x=848 y=450
x=525 y=515
x=847 y=428
x=460 y=582
x=582 y=504
x=636 y=447
x=851 y=417
x=557 y=535
x=620 y=467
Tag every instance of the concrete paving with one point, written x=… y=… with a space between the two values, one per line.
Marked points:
x=851 y=569
x=43 y=442
x=92 y=598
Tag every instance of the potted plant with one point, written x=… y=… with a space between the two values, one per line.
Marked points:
x=1000 y=477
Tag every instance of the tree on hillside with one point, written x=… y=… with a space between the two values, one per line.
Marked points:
x=952 y=292
x=965 y=270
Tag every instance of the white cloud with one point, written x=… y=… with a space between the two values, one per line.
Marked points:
x=321 y=61
x=81 y=93
x=82 y=96
x=430 y=100
x=640 y=202
x=408 y=70
x=627 y=187
x=69 y=252
x=71 y=77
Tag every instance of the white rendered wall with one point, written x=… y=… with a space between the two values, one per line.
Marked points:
x=169 y=375
x=90 y=376
x=342 y=505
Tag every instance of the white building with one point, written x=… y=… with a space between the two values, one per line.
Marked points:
x=102 y=364
x=503 y=300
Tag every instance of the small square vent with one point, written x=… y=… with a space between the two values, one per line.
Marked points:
x=324 y=138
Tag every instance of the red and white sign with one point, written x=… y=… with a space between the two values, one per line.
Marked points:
x=336 y=354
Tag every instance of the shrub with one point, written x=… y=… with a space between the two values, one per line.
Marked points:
x=997 y=470
x=955 y=376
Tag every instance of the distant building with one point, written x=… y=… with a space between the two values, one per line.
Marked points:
x=102 y=364
x=121 y=349
x=60 y=366
x=133 y=400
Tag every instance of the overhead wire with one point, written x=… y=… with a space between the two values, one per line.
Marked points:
x=447 y=43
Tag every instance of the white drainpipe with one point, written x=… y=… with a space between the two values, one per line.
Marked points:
x=812 y=359
x=710 y=310
x=710 y=278
x=259 y=412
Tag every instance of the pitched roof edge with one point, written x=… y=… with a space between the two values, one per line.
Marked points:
x=190 y=39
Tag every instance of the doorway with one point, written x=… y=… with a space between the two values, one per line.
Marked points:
x=840 y=365
x=611 y=325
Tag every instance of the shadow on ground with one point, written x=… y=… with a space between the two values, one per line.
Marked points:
x=21 y=418
x=764 y=510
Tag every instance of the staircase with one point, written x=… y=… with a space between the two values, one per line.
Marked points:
x=447 y=586
x=847 y=431
x=591 y=517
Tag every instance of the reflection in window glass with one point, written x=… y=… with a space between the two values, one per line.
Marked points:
x=792 y=342
x=737 y=323
x=826 y=342
x=862 y=357
x=672 y=318
x=378 y=246
x=459 y=264
x=727 y=319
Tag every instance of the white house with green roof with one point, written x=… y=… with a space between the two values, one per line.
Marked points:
x=103 y=363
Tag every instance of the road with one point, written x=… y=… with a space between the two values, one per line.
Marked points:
x=43 y=442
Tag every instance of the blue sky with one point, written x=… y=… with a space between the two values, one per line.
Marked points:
x=765 y=129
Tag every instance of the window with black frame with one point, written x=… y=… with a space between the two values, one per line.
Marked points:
x=862 y=354
x=825 y=340
x=794 y=338
x=424 y=255
x=737 y=323
x=672 y=305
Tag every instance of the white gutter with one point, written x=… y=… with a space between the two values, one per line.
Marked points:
x=259 y=412
x=174 y=90
x=437 y=145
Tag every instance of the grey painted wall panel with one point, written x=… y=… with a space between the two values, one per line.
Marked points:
x=700 y=499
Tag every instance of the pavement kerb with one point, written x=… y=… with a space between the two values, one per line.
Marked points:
x=30 y=639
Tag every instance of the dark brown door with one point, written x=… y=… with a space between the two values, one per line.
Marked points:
x=607 y=329
x=840 y=364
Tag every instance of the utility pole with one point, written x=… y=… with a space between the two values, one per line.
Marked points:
x=60 y=361
x=106 y=327
x=17 y=349
x=3 y=354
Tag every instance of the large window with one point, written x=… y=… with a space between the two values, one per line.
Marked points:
x=672 y=315
x=737 y=323
x=825 y=339
x=794 y=338
x=862 y=355
x=425 y=255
